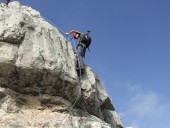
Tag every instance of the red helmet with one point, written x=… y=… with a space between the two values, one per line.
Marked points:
x=74 y=35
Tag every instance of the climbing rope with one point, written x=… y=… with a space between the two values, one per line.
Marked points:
x=79 y=92
x=53 y=25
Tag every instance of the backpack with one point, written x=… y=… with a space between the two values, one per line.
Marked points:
x=86 y=39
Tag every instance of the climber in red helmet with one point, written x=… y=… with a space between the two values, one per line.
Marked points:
x=83 y=42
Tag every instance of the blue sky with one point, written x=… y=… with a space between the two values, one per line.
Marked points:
x=130 y=52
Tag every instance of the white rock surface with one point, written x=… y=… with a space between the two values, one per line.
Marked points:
x=39 y=86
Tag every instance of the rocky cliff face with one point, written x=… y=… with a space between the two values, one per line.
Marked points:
x=39 y=86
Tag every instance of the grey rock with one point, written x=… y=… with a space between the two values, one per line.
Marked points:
x=39 y=85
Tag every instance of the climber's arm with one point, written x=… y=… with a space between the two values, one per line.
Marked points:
x=72 y=31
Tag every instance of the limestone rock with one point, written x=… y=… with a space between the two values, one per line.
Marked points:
x=39 y=85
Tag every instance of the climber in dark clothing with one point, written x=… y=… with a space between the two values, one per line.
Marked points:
x=7 y=2
x=84 y=41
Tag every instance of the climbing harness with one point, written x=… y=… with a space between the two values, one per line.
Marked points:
x=79 y=92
